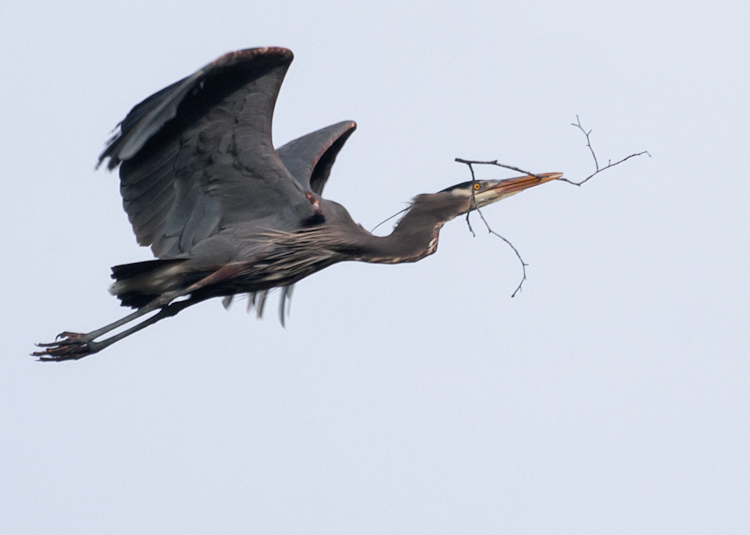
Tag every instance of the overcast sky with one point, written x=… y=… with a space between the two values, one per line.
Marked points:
x=611 y=396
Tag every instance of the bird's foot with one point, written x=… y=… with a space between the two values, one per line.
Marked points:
x=67 y=346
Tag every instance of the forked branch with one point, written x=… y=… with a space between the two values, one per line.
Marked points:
x=598 y=169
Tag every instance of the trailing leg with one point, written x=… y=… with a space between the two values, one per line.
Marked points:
x=73 y=346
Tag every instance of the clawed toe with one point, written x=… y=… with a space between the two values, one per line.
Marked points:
x=70 y=345
x=64 y=339
x=69 y=348
x=67 y=335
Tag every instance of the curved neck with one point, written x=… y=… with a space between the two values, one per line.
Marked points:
x=416 y=234
x=401 y=247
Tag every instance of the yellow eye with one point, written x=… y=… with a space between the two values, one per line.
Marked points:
x=477 y=186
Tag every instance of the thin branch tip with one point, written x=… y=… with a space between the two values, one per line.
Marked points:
x=470 y=164
x=597 y=170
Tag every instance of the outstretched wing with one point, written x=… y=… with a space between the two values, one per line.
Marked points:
x=198 y=155
x=309 y=158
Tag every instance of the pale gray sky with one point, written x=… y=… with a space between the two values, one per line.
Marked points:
x=611 y=396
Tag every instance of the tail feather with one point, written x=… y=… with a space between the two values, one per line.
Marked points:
x=135 y=299
x=139 y=283
x=127 y=271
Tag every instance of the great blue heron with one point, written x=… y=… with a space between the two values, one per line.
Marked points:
x=225 y=213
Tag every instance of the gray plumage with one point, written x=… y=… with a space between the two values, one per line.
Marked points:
x=225 y=213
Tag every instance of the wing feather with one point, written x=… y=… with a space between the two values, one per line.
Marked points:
x=198 y=155
x=309 y=158
x=159 y=183
x=140 y=213
x=143 y=221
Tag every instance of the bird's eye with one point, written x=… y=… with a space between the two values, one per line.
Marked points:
x=477 y=186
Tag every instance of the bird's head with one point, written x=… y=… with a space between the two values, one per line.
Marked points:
x=480 y=193
x=432 y=210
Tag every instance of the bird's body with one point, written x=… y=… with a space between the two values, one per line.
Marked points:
x=271 y=258
x=225 y=213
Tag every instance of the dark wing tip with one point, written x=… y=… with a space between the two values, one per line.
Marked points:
x=348 y=127
x=249 y=54
x=142 y=121
x=309 y=158
x=322 y=169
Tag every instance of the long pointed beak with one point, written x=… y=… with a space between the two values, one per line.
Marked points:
x=504 y=188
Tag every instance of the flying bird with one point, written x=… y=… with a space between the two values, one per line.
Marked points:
x=226 y=213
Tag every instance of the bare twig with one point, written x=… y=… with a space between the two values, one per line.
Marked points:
x=523 y=264
x=473 y=198
x=598 y=169
x=493 y=162
x=481 y=215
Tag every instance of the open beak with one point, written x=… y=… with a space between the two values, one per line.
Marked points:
x=511 y=186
